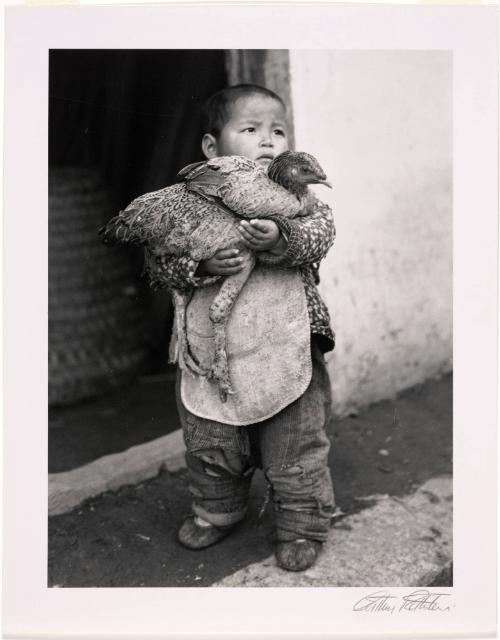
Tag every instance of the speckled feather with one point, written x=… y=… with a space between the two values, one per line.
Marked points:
x=197 y=216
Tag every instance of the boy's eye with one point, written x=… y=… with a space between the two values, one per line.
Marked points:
x=249 y=129
x=279 y=132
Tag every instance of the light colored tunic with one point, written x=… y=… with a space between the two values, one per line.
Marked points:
x=268 y=344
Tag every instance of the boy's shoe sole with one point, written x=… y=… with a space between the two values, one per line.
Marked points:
x=192 y=536
x=297 y=555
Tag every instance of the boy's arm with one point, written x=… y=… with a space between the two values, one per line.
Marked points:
x=308 y=238
x=174 y=272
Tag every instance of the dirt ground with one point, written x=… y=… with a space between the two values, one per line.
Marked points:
x=127 y=538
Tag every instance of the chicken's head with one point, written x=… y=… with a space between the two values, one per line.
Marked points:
x=294 y=170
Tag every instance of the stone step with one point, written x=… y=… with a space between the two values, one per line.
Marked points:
x=68 y=489
x=398 y=542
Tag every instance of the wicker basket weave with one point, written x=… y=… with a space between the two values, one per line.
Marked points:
x=98 y=334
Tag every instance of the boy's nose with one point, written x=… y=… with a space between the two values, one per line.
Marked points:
x=266 y=141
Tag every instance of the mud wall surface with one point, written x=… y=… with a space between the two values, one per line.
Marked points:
x=380 y=123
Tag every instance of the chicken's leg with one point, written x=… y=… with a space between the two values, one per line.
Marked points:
x=181 y=352
x=219 y=312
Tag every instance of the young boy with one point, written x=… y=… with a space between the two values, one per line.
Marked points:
x=287 y=440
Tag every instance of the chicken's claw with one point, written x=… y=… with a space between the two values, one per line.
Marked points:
x=219 y=372
x=225 y=389
x=193 y=366
x=187 y=361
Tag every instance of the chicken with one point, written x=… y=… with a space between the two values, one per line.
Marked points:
x=198 y=216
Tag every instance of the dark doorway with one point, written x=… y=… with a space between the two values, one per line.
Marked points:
x=121 y=123
x=132 y=114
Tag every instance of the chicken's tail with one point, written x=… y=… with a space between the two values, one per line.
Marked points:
x=115 y=231
x=129 y=226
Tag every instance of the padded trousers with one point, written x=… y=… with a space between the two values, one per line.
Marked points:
x=292 y=449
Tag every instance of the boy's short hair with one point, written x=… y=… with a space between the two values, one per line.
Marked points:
x=216 y=110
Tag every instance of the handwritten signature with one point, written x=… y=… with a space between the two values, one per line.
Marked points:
x=420 y=600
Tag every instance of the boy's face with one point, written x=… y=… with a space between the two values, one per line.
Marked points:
x=256 y=129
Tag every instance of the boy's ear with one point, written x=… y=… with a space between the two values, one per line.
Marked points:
x=209 y=145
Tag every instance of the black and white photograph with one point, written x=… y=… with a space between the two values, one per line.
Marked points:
x=292 y=340
x=252 y=301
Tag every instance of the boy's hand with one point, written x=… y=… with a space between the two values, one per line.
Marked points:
x=226 y=262
x=262 y=235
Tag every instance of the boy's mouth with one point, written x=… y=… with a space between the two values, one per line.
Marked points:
x=265 y=159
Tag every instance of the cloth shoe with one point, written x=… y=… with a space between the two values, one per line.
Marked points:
x=195 y=533
x=297 y=555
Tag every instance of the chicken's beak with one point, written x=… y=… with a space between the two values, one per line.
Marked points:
x=326 y=183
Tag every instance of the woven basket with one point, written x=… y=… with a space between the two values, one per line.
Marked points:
x=99 y=338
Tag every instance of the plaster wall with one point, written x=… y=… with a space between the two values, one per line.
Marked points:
x=380 y=123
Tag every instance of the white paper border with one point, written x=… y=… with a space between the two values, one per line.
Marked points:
x=471 y=33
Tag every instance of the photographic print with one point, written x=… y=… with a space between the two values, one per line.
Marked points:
x=124 y=123
x=256 y=372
